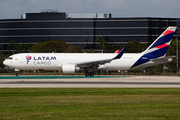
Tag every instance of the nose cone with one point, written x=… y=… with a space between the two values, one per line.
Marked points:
x=5 y=62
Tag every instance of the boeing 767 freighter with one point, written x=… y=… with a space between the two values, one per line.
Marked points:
x=71 y=62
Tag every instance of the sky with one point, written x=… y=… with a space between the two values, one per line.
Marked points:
x=13 y=9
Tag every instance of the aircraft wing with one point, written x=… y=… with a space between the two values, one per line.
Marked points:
x=95 y=64
x=162 y=58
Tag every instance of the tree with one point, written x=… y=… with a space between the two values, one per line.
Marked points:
x=172 y=51
x=12 y=46
x=89 y=51
x=135 y=47
x=132 y=47
x=49 y=46
x=27 y=46
x=112 y=48
x=73 y=49
x=2 y=58
x=19 y=47
x=54 y=46
x=102 y=42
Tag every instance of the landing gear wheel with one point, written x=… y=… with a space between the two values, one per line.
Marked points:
x=17 y=74
x=91 y=74
x=87 y=74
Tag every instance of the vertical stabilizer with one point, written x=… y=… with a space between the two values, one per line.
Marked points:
x=160 y=46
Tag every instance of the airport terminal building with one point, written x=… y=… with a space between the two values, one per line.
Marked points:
x=82 y=29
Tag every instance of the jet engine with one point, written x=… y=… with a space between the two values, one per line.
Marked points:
x=69 y=68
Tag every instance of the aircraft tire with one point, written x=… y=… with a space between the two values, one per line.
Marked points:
x=87 y=74
x=17 y=74
x=91 y=74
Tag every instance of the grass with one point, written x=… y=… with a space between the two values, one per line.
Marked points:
x=90 y=103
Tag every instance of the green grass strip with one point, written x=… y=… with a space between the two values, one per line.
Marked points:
x=90 y=103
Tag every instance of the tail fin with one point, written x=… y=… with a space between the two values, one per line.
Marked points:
x=160 y=46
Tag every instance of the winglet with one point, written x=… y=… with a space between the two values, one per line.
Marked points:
x=120 y=54
x=117 y=51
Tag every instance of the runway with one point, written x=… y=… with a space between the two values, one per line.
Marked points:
x=93 y=82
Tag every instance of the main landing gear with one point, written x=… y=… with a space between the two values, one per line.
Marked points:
x=89 y=72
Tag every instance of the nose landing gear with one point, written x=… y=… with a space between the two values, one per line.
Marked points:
x=17 y=72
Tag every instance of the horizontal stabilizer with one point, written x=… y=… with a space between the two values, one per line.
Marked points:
x=162 y=58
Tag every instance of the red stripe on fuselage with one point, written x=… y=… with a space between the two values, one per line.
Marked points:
x=162 y=46
x=168 y=32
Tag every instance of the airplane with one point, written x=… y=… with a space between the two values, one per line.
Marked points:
x=71 y=62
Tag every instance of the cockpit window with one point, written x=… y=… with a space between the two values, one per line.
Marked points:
x=10 y=58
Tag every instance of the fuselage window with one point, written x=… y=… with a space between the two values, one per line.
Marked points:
x=9 y=58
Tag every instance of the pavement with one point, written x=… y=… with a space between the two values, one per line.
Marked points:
x=89 y=82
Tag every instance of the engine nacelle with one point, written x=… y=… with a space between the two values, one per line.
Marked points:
x=69 y=68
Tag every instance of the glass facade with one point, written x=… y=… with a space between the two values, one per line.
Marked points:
x=40 y=27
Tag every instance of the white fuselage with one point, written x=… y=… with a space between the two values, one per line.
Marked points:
x=54 y=61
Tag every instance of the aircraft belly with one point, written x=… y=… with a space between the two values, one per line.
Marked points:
x=119 y=65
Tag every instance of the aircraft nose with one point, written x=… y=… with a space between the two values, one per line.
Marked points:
x=5 y=62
